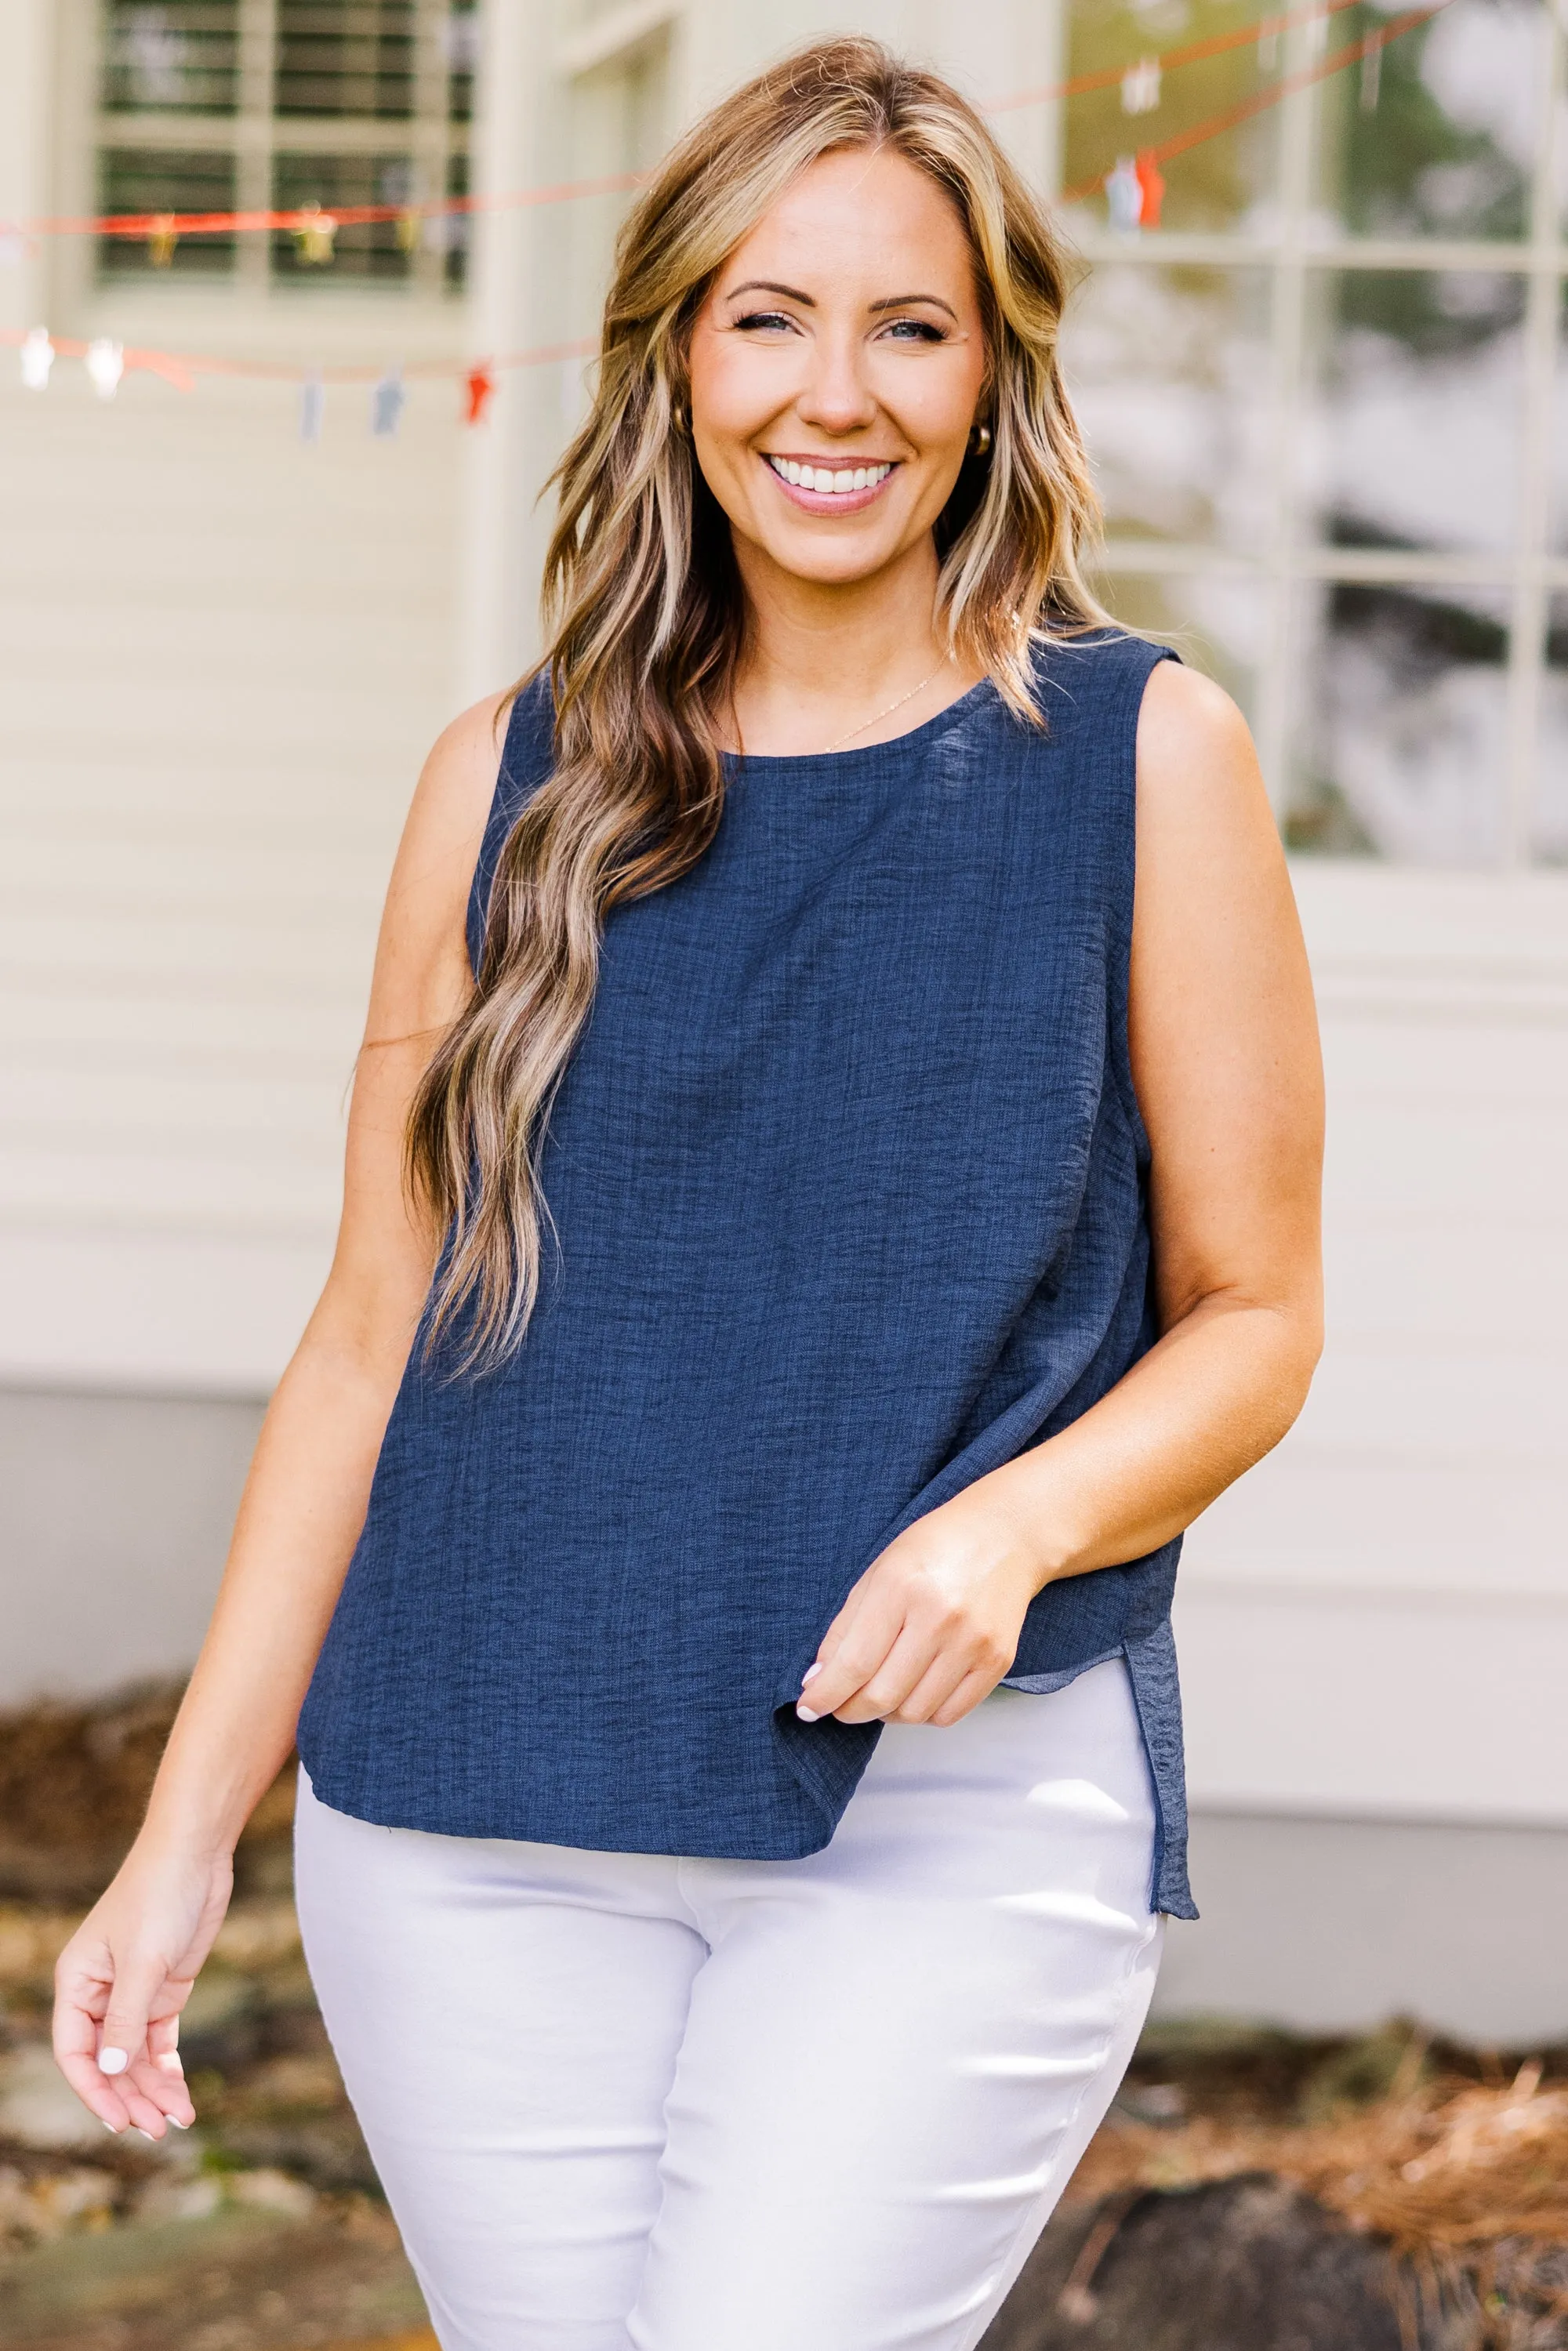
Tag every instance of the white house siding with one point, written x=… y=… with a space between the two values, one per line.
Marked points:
x=223 y=655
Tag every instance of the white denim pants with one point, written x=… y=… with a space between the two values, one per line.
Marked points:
x=619 y=2100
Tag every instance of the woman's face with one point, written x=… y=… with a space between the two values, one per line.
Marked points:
x=836 y=369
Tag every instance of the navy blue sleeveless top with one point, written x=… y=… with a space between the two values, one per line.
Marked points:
x=847 y=1178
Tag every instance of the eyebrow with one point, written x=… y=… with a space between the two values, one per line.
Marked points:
x=794 y=294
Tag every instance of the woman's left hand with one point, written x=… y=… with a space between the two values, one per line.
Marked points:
x=932 y=1625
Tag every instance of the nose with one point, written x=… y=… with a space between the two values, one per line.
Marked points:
x=836 y=397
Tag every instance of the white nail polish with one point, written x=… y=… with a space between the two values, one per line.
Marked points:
x=811 y=1673
x=178 y=2124
x=112 y=2129
x=112 y=2061
x=806 y=1714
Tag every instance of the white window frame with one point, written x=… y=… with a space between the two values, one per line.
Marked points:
x=1293 y=561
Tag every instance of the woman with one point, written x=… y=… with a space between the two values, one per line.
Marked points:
x=819 y=1240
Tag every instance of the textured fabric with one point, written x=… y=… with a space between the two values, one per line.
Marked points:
x=621 y=2103
x=848 y=1184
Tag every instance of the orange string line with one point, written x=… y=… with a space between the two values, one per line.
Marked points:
x=180 y=369
x=139 y=225
x=1167 y=60
x=1180 y=143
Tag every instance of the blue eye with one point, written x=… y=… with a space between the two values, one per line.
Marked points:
x=918 y=329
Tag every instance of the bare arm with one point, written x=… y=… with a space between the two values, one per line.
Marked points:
x=125 y=1975
x=1224 y=1045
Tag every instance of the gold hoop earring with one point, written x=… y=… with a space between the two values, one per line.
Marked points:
x=980 y=441
x=679 y=418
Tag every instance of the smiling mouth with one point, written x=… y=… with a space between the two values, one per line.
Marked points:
x=829 y=481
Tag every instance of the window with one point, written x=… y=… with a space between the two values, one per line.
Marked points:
x=221 y=105
x=1328 y=402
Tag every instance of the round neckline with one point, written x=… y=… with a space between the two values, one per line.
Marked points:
x=952 y=715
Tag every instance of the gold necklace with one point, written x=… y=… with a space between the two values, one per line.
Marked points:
x=884 y=713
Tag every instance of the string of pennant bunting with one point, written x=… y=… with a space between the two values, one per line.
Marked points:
x=1134 y=189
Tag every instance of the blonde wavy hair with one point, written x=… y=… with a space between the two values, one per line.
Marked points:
x=645 y=619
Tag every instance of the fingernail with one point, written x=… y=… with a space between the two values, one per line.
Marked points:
x=112 y=2061
x=811 y=1673
x=807 y=1715
x=177 y=2123
x=113 y=2128
x=146 y=2135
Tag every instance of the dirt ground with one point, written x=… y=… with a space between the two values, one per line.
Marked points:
x=264 y=2229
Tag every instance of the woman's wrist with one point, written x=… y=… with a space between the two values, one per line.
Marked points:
x=1021 y=1530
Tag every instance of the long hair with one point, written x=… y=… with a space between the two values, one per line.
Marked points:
x=645 y=619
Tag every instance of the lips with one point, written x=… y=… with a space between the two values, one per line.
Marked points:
x=830 y=487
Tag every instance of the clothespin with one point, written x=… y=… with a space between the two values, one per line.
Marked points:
x=37 y=359
x=408 y=222
x=313 y=232
x=387 y=403
x=312 y=406
x=1151 y=189
x=1141 y=86
x=161 y=239
x=1371 y=73
x=479 y=387
x=1125 y=194
x=105 y=364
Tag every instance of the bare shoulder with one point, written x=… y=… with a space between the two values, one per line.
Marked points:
x=458 y=781
x=421 y=965
x=1196 y=756
x=1205 y=829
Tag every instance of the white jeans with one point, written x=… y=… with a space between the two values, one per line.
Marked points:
x=620 y=2100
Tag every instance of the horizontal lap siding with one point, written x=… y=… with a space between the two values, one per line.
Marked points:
x=1376 y=1621
x=223 y=655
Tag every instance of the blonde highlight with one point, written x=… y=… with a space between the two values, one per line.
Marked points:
x=645 y=621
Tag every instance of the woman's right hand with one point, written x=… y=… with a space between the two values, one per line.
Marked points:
x=123 y=1979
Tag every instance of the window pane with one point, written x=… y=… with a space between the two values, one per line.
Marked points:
x=161 y=179
x=1217 y=625
x=176 y=56
x=460 y=36
x=1551 y=843
x=1557 y=489
x=1436 y=135
x=346 y=58
x=1220 y=182
x=373 y=250
x=1403 y=746
x=452 y=231
x=1169 y=371
x=1416 y=408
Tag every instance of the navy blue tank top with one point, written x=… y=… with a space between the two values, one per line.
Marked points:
x=848 y=1186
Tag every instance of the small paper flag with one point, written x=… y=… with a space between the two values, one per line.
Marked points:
x=161 y=239
x=1152 y=189
x=1125 y=194
x=408 y=230
x=37 y=359
x=312 y=408
x=479 y=387
x=1141 y=86
x=105 y=364
x=313 y=232
x=387 y=403
x=1371 y=77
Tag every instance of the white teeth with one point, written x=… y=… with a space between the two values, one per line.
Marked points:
x=834 y=483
